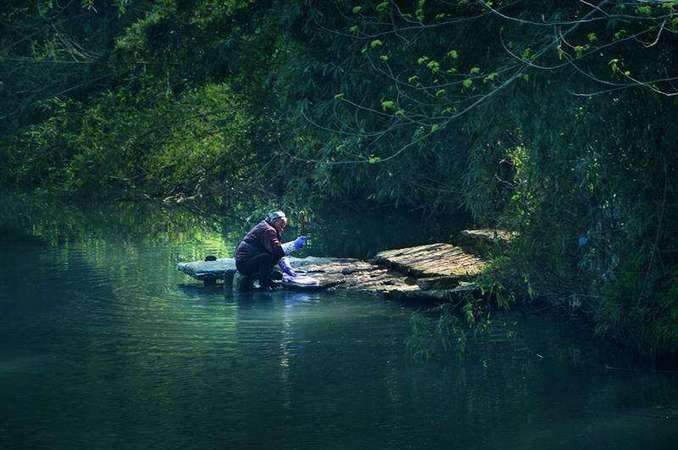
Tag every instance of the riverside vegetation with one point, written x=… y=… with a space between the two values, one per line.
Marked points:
x=556 y=120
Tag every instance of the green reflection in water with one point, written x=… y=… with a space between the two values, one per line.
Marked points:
x=56 y=222
x=103 y=343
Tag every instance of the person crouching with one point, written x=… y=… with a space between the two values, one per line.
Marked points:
x=262 y=247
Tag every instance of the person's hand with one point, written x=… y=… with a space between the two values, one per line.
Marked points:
x=299 y=242
x=286 y=268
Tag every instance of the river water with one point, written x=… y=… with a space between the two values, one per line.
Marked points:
x=104 y=345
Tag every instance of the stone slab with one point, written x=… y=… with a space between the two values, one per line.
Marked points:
x=436 y=295
x=433 y=260
x=428 y=284
x=208 y=270
x=485 y=241
x=360 y=276
x=428 y=272
x=488 y=235
x=216 y=270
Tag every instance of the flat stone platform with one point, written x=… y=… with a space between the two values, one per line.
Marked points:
x=434 y=272
x=224 y=268
x=434 y=260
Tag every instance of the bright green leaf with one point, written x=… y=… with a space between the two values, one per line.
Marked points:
x=490 y=77
x=619 y=35
x=387 y=105
x=433 y=66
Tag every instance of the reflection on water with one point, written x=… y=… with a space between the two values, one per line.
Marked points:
x=334 y=233
x=103 y=344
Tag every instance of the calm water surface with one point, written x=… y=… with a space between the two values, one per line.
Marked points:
x=104 y=345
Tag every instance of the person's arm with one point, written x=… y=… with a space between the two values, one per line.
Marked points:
x=272 y=244
x=286 y=268
x=292 y=246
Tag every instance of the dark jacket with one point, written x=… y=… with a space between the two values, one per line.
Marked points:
x=262 y=238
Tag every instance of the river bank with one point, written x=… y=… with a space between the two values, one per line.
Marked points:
x=358 y=235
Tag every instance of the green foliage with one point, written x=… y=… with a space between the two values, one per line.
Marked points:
x=283 y=102
x=119 y=143
x=645 y=10
x=387 y=105
x=433 y=66
x=490 y=77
